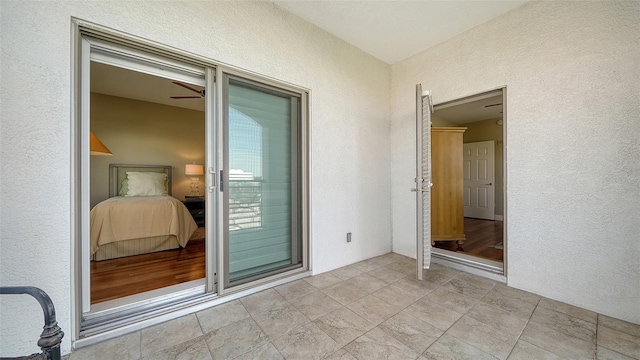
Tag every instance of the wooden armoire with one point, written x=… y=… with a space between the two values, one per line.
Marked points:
x=447 y=207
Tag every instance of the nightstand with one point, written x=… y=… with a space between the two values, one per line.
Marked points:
x=196 y=208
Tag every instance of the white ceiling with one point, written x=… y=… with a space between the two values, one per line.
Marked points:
x=115 y=81
x=463 y=112
x=388 y=30
x=395 y=30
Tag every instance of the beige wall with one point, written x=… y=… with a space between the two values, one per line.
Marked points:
x=487 y=130
x=139 y=132
x=439 y=122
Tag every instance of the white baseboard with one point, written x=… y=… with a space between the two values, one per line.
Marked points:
x=498 y=217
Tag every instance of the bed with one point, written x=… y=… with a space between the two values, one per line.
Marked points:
x=140 y=216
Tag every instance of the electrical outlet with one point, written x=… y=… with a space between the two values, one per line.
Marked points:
x=349 y=237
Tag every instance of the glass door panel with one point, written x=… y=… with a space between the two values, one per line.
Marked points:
x=261 y=182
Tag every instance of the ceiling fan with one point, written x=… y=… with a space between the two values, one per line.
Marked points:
x=200 y=92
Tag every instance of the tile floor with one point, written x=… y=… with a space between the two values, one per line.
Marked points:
x=375 y=309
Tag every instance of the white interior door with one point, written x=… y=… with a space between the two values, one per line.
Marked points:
x=424 y=108
x=479 y=180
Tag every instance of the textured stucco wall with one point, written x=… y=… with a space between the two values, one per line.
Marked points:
x=349 y=126
x=573 y=139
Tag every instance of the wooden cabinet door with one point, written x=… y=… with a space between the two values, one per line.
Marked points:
x=447 y=211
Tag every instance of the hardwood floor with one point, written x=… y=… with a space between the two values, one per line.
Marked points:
x=482 y=235
x=112 y=279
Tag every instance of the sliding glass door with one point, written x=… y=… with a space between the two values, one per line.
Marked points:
x=249 y=137
x=261 y=181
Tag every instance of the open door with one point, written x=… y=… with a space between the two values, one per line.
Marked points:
x=424 y=108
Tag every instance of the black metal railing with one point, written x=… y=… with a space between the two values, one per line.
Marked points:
x=51 y=336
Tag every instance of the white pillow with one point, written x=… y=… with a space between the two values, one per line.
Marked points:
x=146 y=183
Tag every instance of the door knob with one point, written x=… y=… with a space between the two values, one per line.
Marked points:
x=489 y=184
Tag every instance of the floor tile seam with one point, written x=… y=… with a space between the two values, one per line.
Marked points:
x=393 y=337
x=469 y=296
x=500 y=333
x=505 y=311
x=345 y=347
x=570 y=316
x=267 y=337
x=300 y=296
x=427 y=293
x=595 y=333
x=322 y=331
x=403 y=308
x=469 y=283
x=495 y=328
x=616 y=330
x=255 y=346
x=536 y=346
x=525 y=327
x=142 y=355
x=405 y=344
x=615 y=351
x=351 y=302
x=522 y=332
x=466 y=296
x=457 y=338
x=512 y=298
x=290 y=330
x=248 y=350
x=558 y=311
x=445 y=332
x=200 y=323
x=202 y=337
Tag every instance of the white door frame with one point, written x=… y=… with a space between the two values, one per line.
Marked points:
x=449 y=257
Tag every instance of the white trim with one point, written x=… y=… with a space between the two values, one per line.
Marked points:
x=419 y=184
x=498 y=217
x=84 y=126
x=505 y=232
x=212 y=193
x=461 y=258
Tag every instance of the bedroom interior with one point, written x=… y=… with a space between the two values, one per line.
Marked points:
x=477 y=216
x=161 y=135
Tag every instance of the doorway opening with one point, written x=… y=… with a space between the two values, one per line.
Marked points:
x=468 y=156
x=141 y=240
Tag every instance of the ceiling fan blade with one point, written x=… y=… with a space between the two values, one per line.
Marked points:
x=185 y=97
x=186 y=87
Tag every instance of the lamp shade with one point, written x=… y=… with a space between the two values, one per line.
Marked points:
x=193 y=169
x=96 y=147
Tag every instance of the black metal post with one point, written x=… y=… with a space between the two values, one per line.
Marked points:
x=51 y=336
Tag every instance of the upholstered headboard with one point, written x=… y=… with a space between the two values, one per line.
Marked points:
x=118 y=172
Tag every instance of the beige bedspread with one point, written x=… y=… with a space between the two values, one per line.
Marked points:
x=125 y=218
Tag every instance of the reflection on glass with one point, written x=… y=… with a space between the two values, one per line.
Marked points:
x=260 y=183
